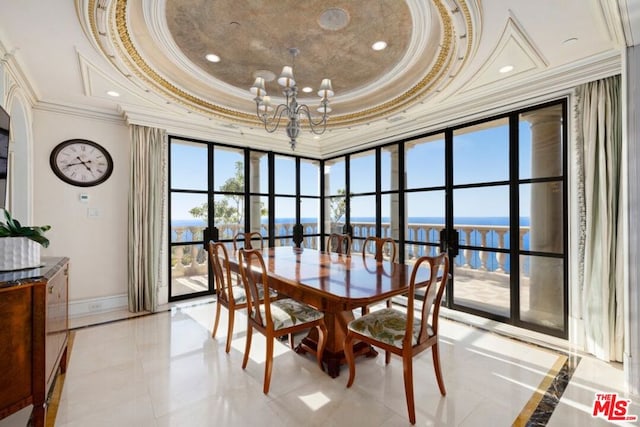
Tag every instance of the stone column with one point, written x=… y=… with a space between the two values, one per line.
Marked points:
x=394 y=219
x=254 y=187
x=546 y=230
x=327 y=199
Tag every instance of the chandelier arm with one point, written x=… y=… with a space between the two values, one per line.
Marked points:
x=271 y=124
x=312 y=125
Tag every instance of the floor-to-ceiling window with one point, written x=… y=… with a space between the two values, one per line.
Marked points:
x=508 y=198
x=363 y=189
x=188 y=212
x=424 y=195
x=542 y=205
x=285 y=198
x=245 y=194
x=310 y=202
x=230 y=211
x=492 y=193
x=481 y=216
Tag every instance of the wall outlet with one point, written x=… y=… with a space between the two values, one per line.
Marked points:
x=95 y=306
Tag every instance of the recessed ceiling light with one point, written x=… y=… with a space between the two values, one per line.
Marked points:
x=571 y=40
x=307 y=89
x=212 y=57
x=506 y=69
x=379 y=45
x=113 y=93
x=316 y=136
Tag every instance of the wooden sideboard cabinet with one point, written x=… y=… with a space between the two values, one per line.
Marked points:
x=33 y=335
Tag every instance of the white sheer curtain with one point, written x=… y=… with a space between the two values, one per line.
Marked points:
x=599 y=129
x=147 y=193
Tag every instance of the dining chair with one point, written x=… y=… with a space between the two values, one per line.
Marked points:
x=229 y=293
x=339 y=243
x=379 y=247
x=246 y=238
x=403 y=333
x=274 y=318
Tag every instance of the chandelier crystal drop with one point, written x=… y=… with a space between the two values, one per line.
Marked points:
x=271 y=117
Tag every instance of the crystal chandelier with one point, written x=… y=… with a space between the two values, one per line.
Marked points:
x=291 y=110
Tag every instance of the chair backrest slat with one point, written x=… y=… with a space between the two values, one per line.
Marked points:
x=248 y=239
x=219 y=258
x=434 y=291
x=253 y=280
x=382 y=246
x=339 y=243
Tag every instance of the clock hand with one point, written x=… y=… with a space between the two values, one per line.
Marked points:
x=84 y=164
x=71 y=164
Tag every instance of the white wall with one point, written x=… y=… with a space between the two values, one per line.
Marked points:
x=97 y=246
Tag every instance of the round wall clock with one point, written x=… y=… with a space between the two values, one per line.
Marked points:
x=81 y=162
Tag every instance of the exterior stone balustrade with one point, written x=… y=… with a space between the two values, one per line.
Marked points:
x=191 y=260
x=488 y=236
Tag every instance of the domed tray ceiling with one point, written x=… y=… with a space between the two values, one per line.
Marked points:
x=250 y=36
x=164 y=44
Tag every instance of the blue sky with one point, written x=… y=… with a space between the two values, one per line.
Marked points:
x=479 y=155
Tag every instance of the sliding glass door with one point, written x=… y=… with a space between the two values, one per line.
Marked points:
x=507 y=208
x=188 y=219
x=480 y=195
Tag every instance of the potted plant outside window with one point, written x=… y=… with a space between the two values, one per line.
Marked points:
x=20 y=245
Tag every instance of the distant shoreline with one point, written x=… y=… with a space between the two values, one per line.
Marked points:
x=412 y=220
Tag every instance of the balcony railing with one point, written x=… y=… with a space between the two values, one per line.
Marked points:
x=482 y=276
x=486 y=236
x=190 y=260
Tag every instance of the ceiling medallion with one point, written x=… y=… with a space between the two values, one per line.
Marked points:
x=334 y=19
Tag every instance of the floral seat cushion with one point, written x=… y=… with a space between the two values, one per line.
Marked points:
x=240 y=297
x=387 y=325
x=289 y=312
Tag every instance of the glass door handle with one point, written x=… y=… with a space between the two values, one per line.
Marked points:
x=209 y=234
x=449 y=242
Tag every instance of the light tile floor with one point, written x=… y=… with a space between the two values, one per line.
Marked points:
x=166 y=370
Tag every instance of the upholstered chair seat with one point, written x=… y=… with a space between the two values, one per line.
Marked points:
x=387 y=325
x=289 y=312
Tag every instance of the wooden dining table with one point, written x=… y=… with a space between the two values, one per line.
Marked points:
x=336 y=285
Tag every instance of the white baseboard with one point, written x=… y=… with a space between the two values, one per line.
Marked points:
x=97 y=305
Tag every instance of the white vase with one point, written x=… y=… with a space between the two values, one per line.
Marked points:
x=18 y=252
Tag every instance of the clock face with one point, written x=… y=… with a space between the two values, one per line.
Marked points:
x=81 y=163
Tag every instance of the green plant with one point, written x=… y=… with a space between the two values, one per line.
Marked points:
x=13 y=228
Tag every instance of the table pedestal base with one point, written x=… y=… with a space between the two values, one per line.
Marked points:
x=333 y=360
